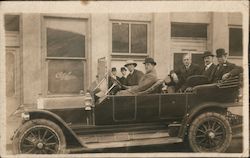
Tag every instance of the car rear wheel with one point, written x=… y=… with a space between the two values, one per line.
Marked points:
x=39 y=136
x=210 y=132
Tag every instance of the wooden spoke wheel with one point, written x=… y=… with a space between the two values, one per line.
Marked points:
x=210 y=132
x=39 y=136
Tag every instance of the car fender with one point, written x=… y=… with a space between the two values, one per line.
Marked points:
x=71 y=137
x=208 y=106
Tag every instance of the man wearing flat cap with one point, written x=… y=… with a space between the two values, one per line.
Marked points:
x=134 y=75
x=209 y=66
x=224 y=69
x=147 y=80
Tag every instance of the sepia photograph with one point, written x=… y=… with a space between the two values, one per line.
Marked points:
x=124 y=83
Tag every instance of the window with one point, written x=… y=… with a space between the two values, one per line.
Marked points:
x=65 y=55
x=235 y=41
x=189 y=30
x=130 y=38
x=11 y=22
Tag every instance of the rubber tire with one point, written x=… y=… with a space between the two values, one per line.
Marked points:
x=31 y=124
x=201 y=118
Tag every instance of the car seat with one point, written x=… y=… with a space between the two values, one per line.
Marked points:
x=155 y=88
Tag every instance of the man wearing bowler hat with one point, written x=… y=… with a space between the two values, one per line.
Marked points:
x=209 y=66
x=134 y=75
x=224 y=69
x=147 y=80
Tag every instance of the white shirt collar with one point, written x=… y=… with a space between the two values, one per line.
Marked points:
x=208 y=66
x=187 y=67
x=132 y=72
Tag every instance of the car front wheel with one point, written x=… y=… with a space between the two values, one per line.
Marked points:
x=210 y=132
x=39 y=136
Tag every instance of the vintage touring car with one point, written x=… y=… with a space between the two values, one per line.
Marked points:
x=78 y=124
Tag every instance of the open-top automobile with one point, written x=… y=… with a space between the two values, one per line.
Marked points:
x=76 y=124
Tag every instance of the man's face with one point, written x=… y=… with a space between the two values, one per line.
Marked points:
x=187 y=60
x=130 y=67
x=149 y=67
x=222 y=59
x=123 y=72
x=113 y=73
x=208 y=60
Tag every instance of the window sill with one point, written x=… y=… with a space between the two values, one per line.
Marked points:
x=63 y=95
x=121 y=55
x=235 y=57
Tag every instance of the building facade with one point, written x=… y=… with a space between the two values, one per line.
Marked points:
x=60 y=54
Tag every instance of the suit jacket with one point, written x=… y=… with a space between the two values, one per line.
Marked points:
x=184 y=73
x=123 y=80
x=134 y=78
x=208 y=72
x=146 y=82
x=111 y=81
x=222 y=69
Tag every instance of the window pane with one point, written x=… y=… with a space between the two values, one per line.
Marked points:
x=235 y=42
x=138 y=38
x=65 y=76
x=120 y=38
x=188 y=30
x=11 y=22
x=197 y=59
x=178 y=60
x=62 y=43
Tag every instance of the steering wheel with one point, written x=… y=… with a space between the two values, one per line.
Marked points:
x=116 y=81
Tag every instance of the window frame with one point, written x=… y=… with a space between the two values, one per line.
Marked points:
x=45 y=59
x=233 y=56
x=189 y=52
x=189 y=38
x=129 y=53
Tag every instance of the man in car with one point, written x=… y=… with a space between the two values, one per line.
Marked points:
x=123 y=78
x=209 y=66
x=147 y=80
x=179 y=76
x=134 y=75
x=224 y=69
x=111 y=80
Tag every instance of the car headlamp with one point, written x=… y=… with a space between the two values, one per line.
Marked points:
x=25 y=116
x=88 y=100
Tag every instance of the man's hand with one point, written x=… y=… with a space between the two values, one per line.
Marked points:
x=226 y=76
x=175 y=77
x=126 y=87
x=167 y=79
x=189 y=89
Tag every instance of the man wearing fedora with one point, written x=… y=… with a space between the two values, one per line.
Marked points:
x=147 y=80
x=224 y=69
x=209 y=66
x=134 y=75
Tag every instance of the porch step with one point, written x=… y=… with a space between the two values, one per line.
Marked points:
x=138 y=142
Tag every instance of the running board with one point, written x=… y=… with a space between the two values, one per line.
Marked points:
x=123 y=136
x=139 y=142
x=90 y=147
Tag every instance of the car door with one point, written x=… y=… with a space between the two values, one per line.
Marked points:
x=173 y=106
x=124 y=108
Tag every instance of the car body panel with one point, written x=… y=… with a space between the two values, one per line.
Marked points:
x=140 y=109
